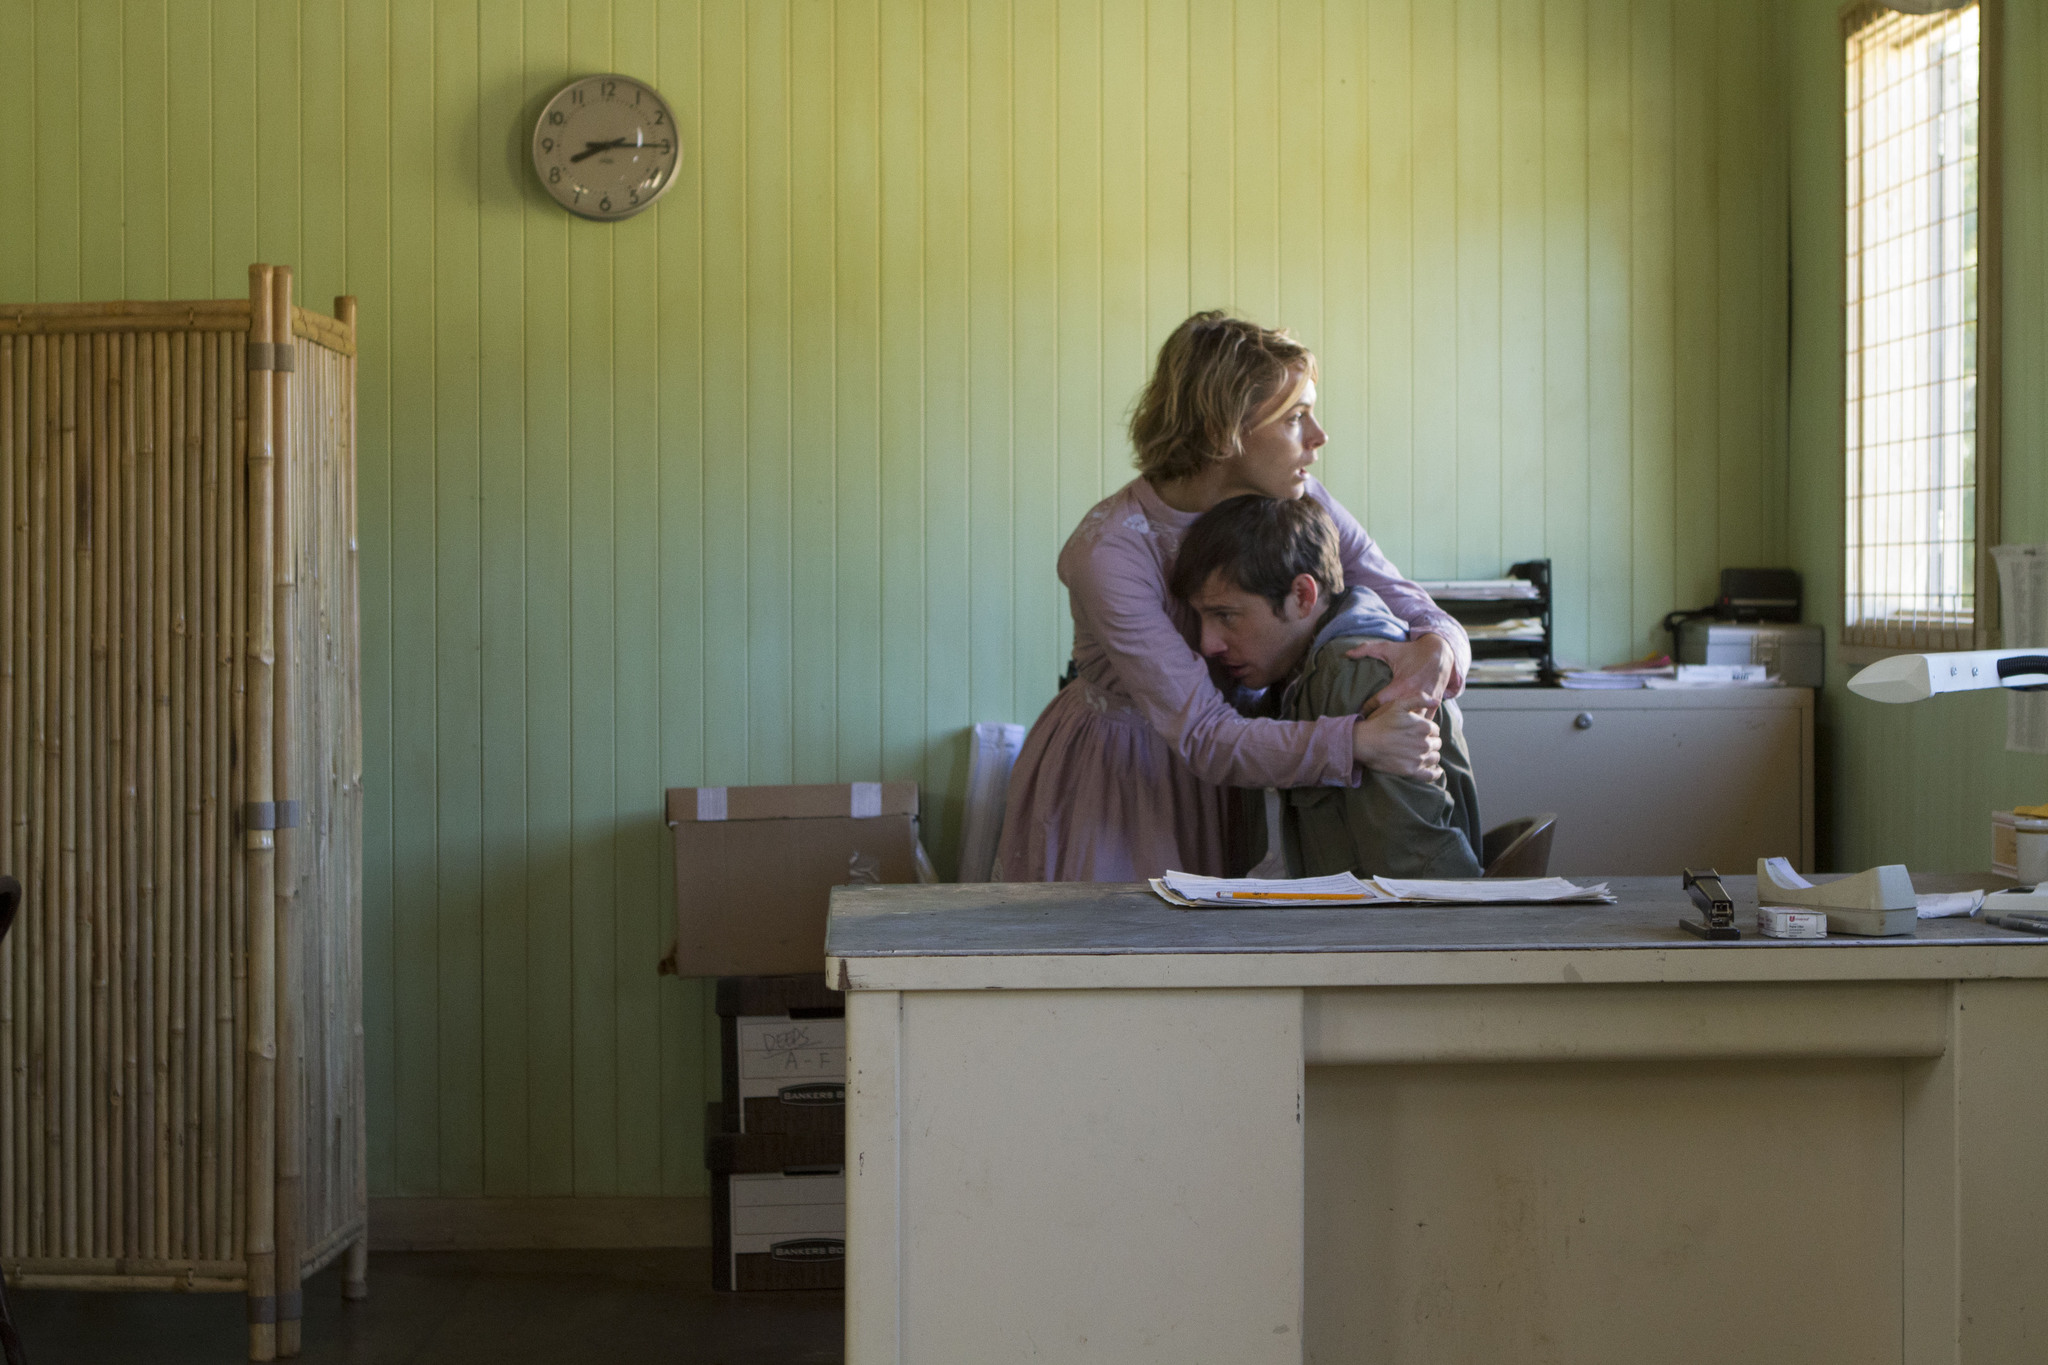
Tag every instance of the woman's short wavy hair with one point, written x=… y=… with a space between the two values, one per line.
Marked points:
x=1215 y=374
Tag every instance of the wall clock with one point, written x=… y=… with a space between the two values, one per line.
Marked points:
x=606 y=147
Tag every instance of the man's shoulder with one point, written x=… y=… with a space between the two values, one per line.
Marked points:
x=1331 y=683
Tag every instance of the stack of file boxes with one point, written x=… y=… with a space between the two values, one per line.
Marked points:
x=776 y=1143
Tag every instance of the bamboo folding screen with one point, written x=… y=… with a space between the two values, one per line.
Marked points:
x=180 y=737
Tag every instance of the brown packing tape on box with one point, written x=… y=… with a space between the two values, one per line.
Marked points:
x=755 y=868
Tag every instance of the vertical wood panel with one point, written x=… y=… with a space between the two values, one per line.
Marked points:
x=54 y=132
x=593 y=678
x=458 y=625
x=641 y=933
x=102 y=158
x=1432 y=205
x=1652 y=323
x=550 y=833
x=244 y=73
x=767 y=484
x=415 y=446
x=501 y=722
x=1609 y=251
x=1567 y=532
x=947 y=277
x=679 y=269
x=1040 y=461
x=1478 y=83
x=987 y=628
x=1390 y=279
x=368 y=276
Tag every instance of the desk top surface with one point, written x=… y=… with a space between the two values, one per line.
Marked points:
x=872 y=926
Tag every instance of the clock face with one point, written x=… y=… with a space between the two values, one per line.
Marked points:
x=606 y=147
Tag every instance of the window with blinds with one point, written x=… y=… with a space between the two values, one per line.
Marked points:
x=1916 y=499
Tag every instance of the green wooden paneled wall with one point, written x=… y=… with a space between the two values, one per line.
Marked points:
x=1912 y=784
x=766 y=484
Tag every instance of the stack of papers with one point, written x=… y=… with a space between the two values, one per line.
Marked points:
x=1598 y=680
x=1716 y=675
x=1479 y=589
x=1514 y=628
x=1192 y=892
x=1502 y=671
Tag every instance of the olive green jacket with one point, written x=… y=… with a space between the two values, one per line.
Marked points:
x=1386 y=826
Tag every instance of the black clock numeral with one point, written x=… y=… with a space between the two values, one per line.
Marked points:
x=555 y=118
x=579 y=194
x=663 y=144
x=634 y=194
x=605 y=204
x=554 y=175
x=637 y=93
x=576 y=96
x=661 y=116
x=609 y=88
x=547 y=144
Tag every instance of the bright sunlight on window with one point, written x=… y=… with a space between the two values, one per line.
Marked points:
x=1912 y=333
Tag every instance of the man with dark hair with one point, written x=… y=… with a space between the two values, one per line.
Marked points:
x=1265 y=578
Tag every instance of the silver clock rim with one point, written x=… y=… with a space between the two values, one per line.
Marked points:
x=540 y=124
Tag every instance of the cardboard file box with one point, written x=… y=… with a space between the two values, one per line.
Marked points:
x=778 y=1230
x=730 y=1153
x=755 y=868
x=783 y=1054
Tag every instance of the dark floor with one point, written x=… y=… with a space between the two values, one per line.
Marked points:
x=450 y=1308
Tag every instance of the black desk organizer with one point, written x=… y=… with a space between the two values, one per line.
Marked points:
x=1482 y=611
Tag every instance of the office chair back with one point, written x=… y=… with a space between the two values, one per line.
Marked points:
x=1519 y=848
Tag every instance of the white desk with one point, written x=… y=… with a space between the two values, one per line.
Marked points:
x=1083 y=1125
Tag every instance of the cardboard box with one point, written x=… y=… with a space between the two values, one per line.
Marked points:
x=2019 y=846
x=778 y=1230
x=784 y=1074
x=755 y=868
x=732 y=1153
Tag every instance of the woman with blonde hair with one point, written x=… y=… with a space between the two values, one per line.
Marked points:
x=1124 y=774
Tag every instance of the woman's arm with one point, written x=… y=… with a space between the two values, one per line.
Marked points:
x=1117 y=591
x=1418 y=671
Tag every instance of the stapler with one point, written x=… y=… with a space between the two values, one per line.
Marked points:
x=1717 y=911
x=1878 y=901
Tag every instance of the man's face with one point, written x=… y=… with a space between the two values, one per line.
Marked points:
x=1243 y=635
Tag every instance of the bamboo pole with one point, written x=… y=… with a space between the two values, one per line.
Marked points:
x=164 y=833
x=34 y=920
x=209 y=785
x=21 y=944
x=128 y=999
x=12 y=628
x=356 y=1274
x=261 y=1161
x=100 y=1095
x=290 y=457
x=24 y=775
x=178 y=948
x=69 y=745
x=221 y=546
x=193 y=769
x=143 y=1145
x=239 y=907
x=13 y=457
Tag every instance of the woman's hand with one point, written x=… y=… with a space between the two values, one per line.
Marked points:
x=1422 y=672
x=1400 y=740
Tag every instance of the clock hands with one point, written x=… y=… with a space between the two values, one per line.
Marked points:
x=591 y=149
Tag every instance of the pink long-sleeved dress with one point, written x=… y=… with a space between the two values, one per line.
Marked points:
x=1124 y=774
